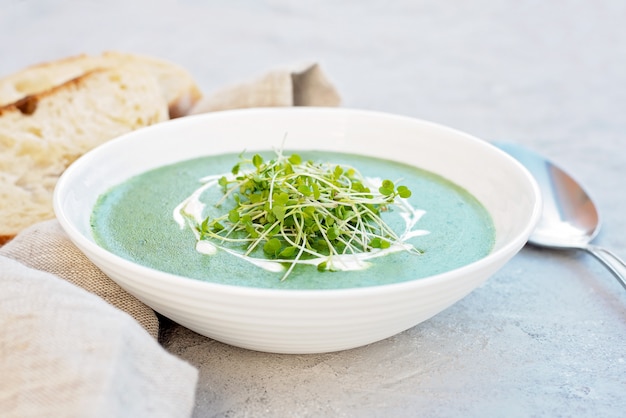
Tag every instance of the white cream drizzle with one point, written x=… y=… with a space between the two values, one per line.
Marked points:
x=192 y=208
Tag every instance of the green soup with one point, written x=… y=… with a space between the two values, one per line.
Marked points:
x=135 y=221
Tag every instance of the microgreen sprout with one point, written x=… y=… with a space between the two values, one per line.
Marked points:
x=295 y=210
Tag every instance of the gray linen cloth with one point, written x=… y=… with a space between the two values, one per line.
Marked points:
x=65 y=352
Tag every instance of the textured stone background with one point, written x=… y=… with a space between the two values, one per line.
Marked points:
x=545 y=336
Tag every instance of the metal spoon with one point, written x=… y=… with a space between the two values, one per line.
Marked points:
x=569 y=218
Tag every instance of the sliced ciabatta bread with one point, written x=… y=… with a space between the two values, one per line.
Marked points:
x=42 y=134
x=176 y=83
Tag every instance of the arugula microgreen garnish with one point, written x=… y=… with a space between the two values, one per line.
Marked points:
x=296 y=210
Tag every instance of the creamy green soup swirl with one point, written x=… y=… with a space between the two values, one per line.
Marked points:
x=152 y=219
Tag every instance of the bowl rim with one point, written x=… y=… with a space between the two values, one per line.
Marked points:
x=516 y=243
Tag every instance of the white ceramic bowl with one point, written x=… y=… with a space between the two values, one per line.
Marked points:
x=302 y=321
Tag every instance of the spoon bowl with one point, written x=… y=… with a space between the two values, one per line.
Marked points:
x=569 y=218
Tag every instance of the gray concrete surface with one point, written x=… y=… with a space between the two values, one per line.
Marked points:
x=545 y=336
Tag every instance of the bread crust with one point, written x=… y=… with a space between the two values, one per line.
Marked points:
x=5 y=238
x=27 y=105
x=177 y=85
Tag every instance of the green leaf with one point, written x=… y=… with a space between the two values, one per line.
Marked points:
x=235 y=169
x=385 y=192
x=287 y=252
x=387 y=188
x=348 y=214
x=279 y=212
x=305 y=190
x=251 y=231
x=281 y=198
x=379 y=243
x=319 y=245
x=404 y=192
x=333 y=233
x=204 y=227
x=358 y=187
x=316 y=191
x=257 y=160
x=233 y=216
x=388 y=184
x=295 y=159
x=272 y=247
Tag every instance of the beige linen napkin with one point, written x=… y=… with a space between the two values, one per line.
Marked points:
x=75 y=344
x=304 y=85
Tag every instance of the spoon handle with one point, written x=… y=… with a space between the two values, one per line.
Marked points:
x=611 y=261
